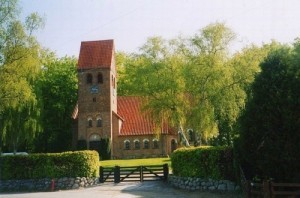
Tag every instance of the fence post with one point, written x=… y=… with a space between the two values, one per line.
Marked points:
x=248 y=188
x=166 y=172
x=141 y=174
x=266 y=189
x=117 y=174
x=101 y=176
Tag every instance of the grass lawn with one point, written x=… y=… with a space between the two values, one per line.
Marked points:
x=136 y=162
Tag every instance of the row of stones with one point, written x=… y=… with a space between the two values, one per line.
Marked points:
x=189 y=183
x=47 y=184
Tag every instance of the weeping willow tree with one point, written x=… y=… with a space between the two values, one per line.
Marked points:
x=155 y=74
x=193 y=82
x=19 y=68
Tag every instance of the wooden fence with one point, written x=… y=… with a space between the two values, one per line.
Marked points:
x=269 y=189
x=119 y=174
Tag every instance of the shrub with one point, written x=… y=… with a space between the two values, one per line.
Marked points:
x=203 y=162
x=54 y=165
x=269 y=126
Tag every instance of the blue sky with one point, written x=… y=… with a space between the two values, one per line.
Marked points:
x=131 y=22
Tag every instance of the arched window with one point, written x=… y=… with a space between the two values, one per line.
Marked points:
x=137 y=144
x=127 y=145
x=95 y=137
x=89 y=79
x=155 y=143
x=99 y=121
x=90 y=122
x=173 y=145
x=146 y=144
x=100 y=78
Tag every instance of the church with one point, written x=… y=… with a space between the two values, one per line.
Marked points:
x=113 y=125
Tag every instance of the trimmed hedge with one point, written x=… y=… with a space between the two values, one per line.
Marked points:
x=50 y=165
x=204 y=162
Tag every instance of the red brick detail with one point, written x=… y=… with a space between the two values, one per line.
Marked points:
x=136 y=122
x=96 y=54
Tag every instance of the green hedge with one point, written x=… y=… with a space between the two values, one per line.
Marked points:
x=204 y=162
x=51 y=165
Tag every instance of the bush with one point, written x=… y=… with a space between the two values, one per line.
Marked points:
x=269 y=126
x=204 y=162
x=54 y=165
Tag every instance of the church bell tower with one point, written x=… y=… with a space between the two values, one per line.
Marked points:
x=97 y=97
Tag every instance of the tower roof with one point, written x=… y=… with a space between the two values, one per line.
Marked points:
x=96 y=54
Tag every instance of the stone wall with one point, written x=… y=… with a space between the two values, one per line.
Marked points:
x=188 y=183
x=47 y=184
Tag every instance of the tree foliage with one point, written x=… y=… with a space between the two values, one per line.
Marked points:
x=58 y=94
x=19 y=69
x=156 y=75
x=37 y=90
x=193 y=82
x=269 y=138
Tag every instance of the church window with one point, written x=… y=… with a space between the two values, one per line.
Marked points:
x=155 y=143
x=99 y=121
x=137 y=144
x=90 y=122
x=89 y=79
x=173 y=145
x=127 y=145
x=94 y=99
x=146 y=144
x=100 y=78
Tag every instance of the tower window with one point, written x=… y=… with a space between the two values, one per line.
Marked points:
x=90 y=122
x=89 y=79
x=100 y=78
x=94 y=99
x=99 y=122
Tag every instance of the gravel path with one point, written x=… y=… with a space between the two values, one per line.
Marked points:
x=147 y=189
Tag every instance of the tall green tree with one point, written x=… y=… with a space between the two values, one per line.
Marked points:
x=269 y=139
x=156 y=75
x=209 y=81
x=244 y=66
x=19 y=68
x=58 y=86
x=188 y=82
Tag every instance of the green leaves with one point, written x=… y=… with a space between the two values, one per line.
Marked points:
x=54 y=165
x=58 y=94
x=270 y=124
x=204 y=162
x=20 y=66
x=193 y=82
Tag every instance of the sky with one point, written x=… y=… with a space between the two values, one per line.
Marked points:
x=131 y=22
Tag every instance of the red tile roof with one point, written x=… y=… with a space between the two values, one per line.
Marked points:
x=136 y=122
x=95 y=54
